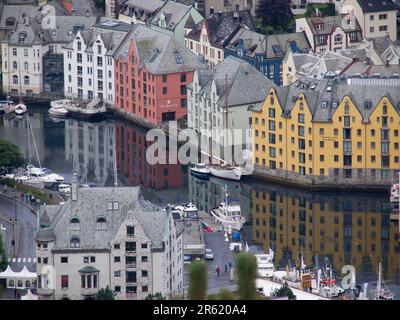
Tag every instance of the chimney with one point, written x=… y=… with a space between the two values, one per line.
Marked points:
x=74 y=188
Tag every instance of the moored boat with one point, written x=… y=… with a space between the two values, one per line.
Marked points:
x=265 y=266
x=226 y=172
x=200 y=171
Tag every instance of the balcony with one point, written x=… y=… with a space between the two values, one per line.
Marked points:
x=45 y=292
x=130 y=280
x=131 y=265
x=89 y=291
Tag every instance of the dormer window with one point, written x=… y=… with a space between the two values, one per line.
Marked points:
x=101 y=223
x=367 y=104
x=320 y=26
x=75 y=224
x=79 y=45
x=75 y=242
x=324 y=104
x=112 y=206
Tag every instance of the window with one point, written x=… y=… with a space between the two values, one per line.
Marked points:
x=130 y=247
x=144 y=246
x=164 y=78
x=145 y=259
x=75 y=224
x=101 y=224
x=383 y=16
x=117 y=246
x=117 y=259
x=183 y=77
x=383 y=28
x=26 y=80
x=130 y=231
x=15 y=79
x=99 y=61
x=64 y=259
x=75 y=242
x=164 y=90
x=145 y=273
x=64 y=282
x=183 y=90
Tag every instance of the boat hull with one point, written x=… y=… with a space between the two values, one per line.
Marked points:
x=199 y=174
x=222 y=173
x=227 y=224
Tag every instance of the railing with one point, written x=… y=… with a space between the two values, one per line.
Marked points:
x=131 y=265
x=131 y=295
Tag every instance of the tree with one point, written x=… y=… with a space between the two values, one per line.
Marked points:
x=10 y=156
x=284 y=291
x=105 y=294
x=197 y=280
x=156 y=296
x=246 y=268
x=225 y=294
x=3 y=256
x=275 y=14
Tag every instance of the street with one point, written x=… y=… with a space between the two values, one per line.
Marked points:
x=27 y=221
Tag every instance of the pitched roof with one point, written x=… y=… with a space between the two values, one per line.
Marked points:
x=141 y=9
x=221 y=27
x=91 y=204
x=376 y=5
x=173 y=12
x=232 y=77
x=160 y=53
x=321 y=95
x=330 y=23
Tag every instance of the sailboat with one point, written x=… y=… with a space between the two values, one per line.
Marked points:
x=20 y=108
x=382 y=293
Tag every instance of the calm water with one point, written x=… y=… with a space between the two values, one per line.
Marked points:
x=346 y=228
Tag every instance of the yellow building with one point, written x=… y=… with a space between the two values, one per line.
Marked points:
x=349 y=231
x=330 y=131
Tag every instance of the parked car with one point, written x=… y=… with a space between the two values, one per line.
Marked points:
x=209 y=254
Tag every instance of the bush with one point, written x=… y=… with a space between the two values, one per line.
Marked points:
x=284 y=291
x=197 y=280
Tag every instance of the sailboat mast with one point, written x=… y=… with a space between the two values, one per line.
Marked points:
x=226 y=115
x=28 y=125
x=379 y=284
x=34 y=143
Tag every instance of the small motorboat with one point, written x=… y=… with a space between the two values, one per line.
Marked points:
x=187 y=210
x=20 y=108
x=200 y=171
x=59 y=111
x=9 y=108
x=6 y=106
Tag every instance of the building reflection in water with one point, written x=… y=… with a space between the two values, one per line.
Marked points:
x=349 y=230
x=133 y=167
x=90 y=148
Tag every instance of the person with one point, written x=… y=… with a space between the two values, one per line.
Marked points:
x=217 y=270
x=230 y=266
x=226 y=268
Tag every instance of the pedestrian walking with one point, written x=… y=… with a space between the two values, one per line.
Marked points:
x=217 y=270
x=226 y=268
x=230 y=266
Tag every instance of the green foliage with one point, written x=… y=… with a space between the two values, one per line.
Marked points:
x=274 y=15
x=105 y=294
x=246 y=268
x=225 y=294
x=10 y=155
x=197 y=280
x=3 y=256
x=156 y=296
x=284 y=291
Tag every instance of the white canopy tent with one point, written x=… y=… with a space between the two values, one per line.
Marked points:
x=29 y=296
x=23 y=279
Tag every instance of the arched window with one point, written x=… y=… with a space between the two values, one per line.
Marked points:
x=26 y=80
x=384 y=109
x=75 y=242
x=27 y=284
x=11 y=283
x=101 y=223
x=20 y=284
x=75 y=224
x=26 y=66
x=10 y=21
x=15 y=66
x=15 y=79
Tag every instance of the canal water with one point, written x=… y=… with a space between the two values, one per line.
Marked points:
x=342 y=228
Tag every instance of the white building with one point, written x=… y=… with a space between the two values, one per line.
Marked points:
x=108 y=237
x=89 y=61
x=26 y=48
x=219 y=99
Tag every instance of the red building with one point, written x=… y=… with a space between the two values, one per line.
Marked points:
x=131 y=147
x=151 y=73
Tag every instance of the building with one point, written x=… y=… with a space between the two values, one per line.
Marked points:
x=173 y=17
x=32 y=61
x=215 y=6
x=108 y=237
x=138 y=11
x=112 y=8
x=218 y=101
x=266 y=53
x=90 y=147
x=313 y=65
x=382 y=50
x=332 y=33
x=152 y=71
x=334 y=131
x=89 y=61
x=376 y=18
x=209 y=37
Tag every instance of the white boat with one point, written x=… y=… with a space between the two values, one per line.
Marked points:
x=9 y=108
x=265 y=266
x=395 y=193
x=226 y=171
x=60 y=103
x=64 y=188
x=58 y=111
x=187 y=210
x=229 y=215
x=39 y=175
x=200 y=170
x=20 y=108
x=6 y=104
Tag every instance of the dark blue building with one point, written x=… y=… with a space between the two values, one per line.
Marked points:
x=266 y=53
